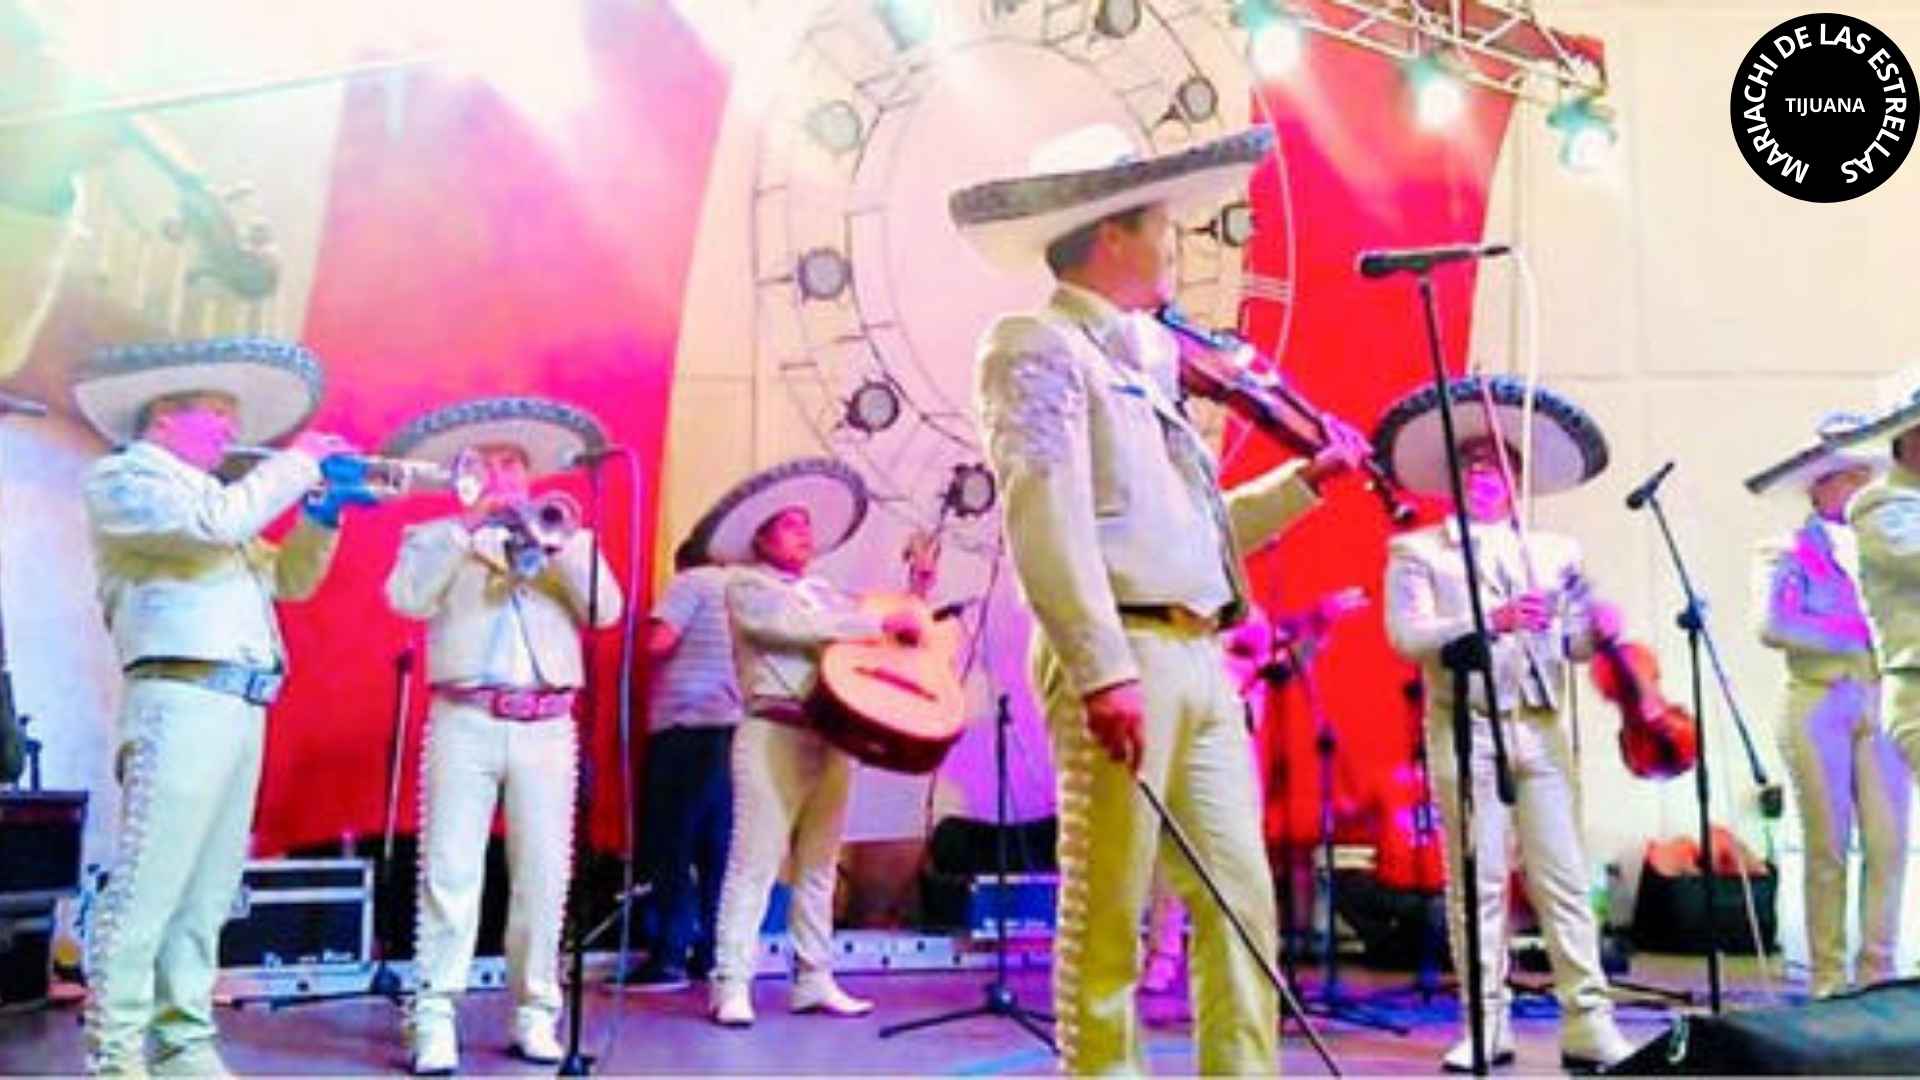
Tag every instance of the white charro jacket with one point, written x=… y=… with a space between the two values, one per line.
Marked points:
x=1885 y=516
x=1807 y=605
x=1428 y=606
x=780 y=624
x=182 y=569
x=483 y=627
x=1110 y=496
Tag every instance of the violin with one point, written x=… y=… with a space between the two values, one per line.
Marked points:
x=1220 y=371
x=1658 y=739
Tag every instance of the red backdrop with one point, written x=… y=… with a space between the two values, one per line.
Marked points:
x=1361 y=175
x=469 y=250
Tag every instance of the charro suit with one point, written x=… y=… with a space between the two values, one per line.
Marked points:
x=1428 y=605
x=790 y=786
x=1839 y=760
x=1885 y=516
x=1112 y=501
x=487 y=628
x=184 y=575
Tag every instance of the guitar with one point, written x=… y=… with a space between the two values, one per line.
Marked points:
x=892 y=705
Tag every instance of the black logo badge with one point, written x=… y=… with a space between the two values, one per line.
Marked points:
x=1821 y=107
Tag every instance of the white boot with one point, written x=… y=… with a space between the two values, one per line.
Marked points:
x=533 y=1038
x=817 y=992
x=1590 y=1040
x=436 y=1045
x=731 y=1004
x=1459 y=1059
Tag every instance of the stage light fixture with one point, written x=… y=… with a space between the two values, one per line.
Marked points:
x=822 y=274
x=836 y=126
x=1195 y=100
x=874 y=407
x=1117 y=18
x=1233 y=225
x=909 y=22
x=971 y=491
x=1274 y=46
x=1586 y=132
x=1439 y=99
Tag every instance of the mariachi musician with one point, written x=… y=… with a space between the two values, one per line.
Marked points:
x=790 y=785
x=1842 y=765
x=1537 y=628
x=187 y=584
x=506 y=588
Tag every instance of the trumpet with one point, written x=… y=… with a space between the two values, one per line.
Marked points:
x=537 y=529
x=382 y=477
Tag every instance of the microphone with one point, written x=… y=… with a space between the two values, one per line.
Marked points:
x=591 y=458
x=1638 y=496
x=13 y=404
x=1379 y=264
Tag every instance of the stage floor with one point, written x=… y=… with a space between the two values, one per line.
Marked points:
x=669 y=1033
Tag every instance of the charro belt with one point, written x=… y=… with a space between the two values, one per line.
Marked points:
x=1180 y=618
x=510 y=702
x=254 y=685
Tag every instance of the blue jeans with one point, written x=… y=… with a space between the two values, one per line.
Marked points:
x=688 y=821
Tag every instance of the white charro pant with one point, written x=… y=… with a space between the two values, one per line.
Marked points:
x=472 y=759
x=1841 y=765
x=790 y=793
x=1544 y=815
x=1198 y=757
x=189 y=768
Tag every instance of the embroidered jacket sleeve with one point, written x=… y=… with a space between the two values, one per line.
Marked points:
x=136 y=503
x=1415 y=625
x=569 y=575
x=1034 y=412
x=770 y=613
x=1789 y=616
x=430 y=555
x=1264 y=506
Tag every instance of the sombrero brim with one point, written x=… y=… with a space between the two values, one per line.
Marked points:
x=275 y=385
x=1798 y=471
x=1567 y=448
x=553 y=434
x=1011 y=221
x=833 y=494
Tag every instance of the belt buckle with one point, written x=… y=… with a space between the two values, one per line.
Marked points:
x=263 y=687
x=515 y=704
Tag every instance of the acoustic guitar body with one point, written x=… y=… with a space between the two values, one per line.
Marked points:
x=896 y=707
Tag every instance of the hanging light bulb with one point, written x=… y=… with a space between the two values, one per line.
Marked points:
x=1587 y=134
x=1439 y=97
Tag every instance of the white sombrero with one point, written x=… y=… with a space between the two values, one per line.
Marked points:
x=1804 y=467
x=1567 y=448
x=275 y=384
x=1092 y=173
x=833 y=495
x=553 y=435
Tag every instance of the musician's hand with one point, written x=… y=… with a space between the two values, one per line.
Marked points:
x=1346 y=449
x=1605 y=619
x=1528 y=611
x=902 y=626
x=319 y=444
x=1115 y=716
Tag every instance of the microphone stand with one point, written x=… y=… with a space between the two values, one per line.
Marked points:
x=1692 y=619
x=999 y=998
x=576 y=1063
x=1463 y=657
x=1332 y=1004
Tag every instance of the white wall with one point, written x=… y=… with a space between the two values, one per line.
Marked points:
x=1704 y=318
